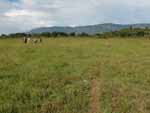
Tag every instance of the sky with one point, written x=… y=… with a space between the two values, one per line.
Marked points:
x=24 y=15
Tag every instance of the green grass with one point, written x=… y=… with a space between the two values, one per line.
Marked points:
x=54 y=77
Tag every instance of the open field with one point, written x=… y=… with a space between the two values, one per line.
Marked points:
x=61 y=75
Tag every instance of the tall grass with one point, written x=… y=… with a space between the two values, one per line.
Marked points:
x=55 y=76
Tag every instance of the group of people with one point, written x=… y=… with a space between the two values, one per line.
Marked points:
x=34 y=40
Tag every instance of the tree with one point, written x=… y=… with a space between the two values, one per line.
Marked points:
x=72 y=34
x=4 y=36
x=83 y=34
x=140 y=33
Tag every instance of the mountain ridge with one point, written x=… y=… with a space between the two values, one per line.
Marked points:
x=89 y=29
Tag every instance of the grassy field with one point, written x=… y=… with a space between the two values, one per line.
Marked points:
x=56 y=76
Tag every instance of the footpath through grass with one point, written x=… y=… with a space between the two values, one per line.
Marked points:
x=55 y=76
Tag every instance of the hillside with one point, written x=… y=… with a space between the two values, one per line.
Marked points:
x=91 y=29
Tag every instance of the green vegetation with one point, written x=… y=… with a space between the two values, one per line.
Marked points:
x=45 y=34
x=55 y=76
x=128 y=32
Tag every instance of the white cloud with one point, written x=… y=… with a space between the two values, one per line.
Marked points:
x=23 y=15
x=27 y=19
x=16 y=13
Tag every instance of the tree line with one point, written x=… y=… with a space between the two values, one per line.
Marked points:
x=45 y=34
x=128 y=32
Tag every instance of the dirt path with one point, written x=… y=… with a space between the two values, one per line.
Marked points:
x=95 y=93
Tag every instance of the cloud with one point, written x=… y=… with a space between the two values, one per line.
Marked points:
x=27 y=19
x=23 y=15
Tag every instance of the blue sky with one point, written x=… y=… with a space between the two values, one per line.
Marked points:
x=23 y=15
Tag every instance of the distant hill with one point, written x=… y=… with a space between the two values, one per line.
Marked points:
x=91 y=29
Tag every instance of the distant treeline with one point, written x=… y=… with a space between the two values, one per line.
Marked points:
x=128 y=32
x=45 y=34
